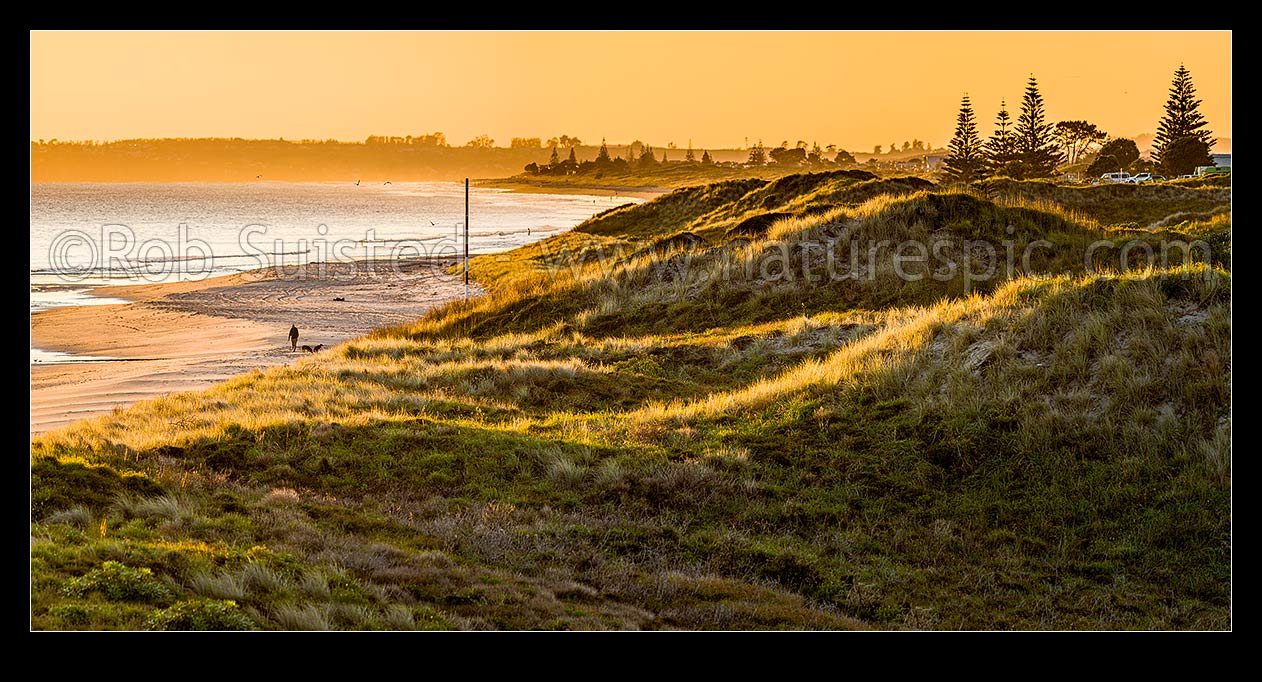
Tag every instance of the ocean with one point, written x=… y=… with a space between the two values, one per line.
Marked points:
x=85 y=235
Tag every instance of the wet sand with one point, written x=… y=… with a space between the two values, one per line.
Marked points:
x=190 y=335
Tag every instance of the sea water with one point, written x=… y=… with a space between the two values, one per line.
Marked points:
x=85 y=235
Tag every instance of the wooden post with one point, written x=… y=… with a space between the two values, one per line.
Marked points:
x=466 y=238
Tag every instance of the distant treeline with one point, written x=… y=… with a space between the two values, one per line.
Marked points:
x=377 y=159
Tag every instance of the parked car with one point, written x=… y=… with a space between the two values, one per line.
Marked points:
x=1116 y=177
x=1140 y=179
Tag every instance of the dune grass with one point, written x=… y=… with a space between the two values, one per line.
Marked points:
x=635 y=431
x=1121 y=205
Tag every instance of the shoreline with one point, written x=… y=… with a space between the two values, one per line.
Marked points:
x=182 y=336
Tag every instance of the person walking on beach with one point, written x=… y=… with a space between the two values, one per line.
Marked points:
x=293 y=338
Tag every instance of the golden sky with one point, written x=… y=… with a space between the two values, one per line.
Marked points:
x=853 y=89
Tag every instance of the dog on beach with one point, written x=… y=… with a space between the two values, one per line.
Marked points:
x=315 y=349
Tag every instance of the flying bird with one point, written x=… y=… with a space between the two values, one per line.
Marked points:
x=386 y=182
x=357 y=183
x=432 y=223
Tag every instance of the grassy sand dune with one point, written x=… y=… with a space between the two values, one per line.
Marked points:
x=634 y=430
x=1121 y=205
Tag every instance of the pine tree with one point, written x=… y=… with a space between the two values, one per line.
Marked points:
x=573 y=159
x=1182 y=118
x=757 y=155
x=1035 y=142
x=1000 y=148
x=688 y=155
x=646 y=156
x=966 y=162
x=555 y=158
x=705 y=157
x=602 y=157
x=1184 y=155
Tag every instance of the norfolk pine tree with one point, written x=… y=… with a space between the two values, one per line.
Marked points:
x=757 y=155
x=1182 y=119
x=646 y=157
x=1035 y=142
x=966 y=162
x=1184 y=155
x=1001 y=147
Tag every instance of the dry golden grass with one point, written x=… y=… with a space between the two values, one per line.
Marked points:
x=596 y=443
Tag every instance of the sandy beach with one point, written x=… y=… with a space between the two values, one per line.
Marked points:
x=189 y=335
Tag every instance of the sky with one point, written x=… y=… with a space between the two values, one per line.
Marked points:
x=719 y=89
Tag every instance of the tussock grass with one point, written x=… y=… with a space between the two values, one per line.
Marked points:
x=166 y=508
x=217 y=586
x=306 y=617
x=566 y=472
x=652 y=435
x=397 y=617
x=77 y=515
x=314 y=585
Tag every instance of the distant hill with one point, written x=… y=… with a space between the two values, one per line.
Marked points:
x=242 y=160
x=377 y=159
x=1221 y=146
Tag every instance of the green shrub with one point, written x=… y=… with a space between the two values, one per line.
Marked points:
x=118 y=582
x=201 y=614
x=640 y=365
x=72 y=614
